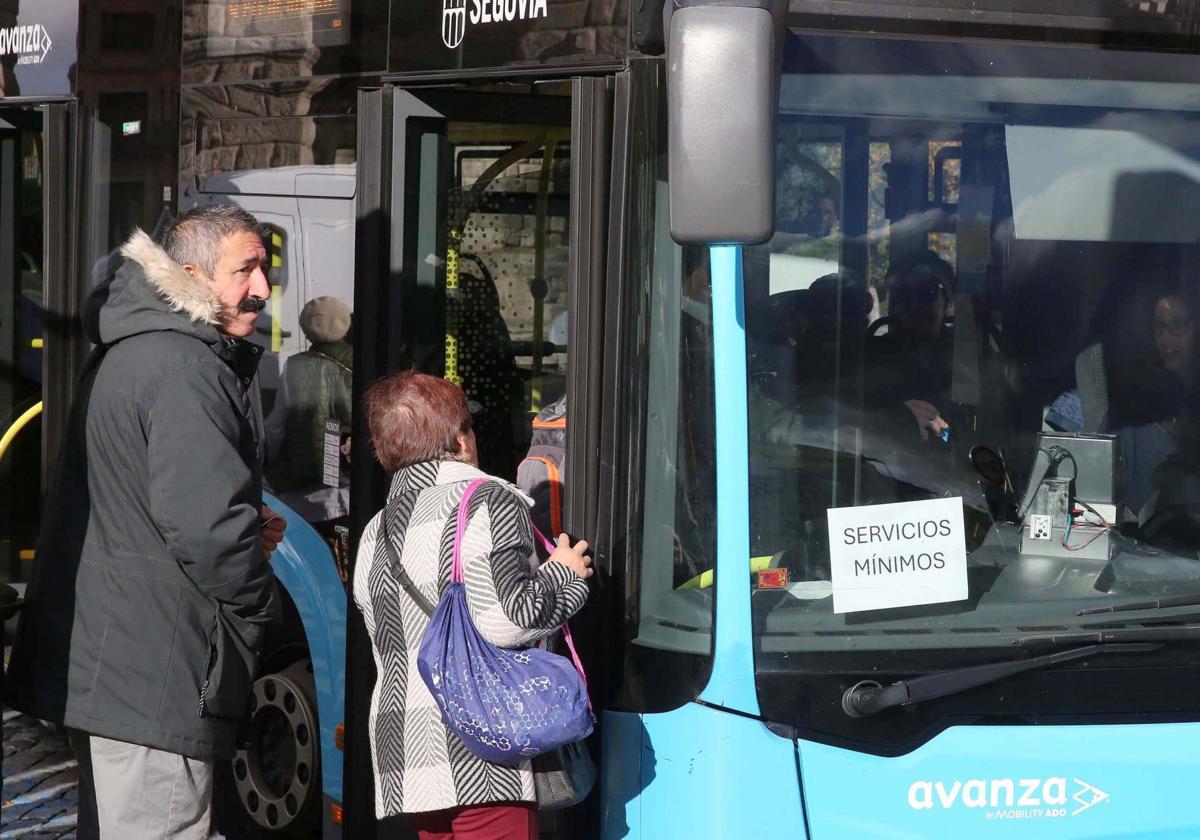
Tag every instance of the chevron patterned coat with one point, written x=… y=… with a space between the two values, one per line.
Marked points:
x=419 y=764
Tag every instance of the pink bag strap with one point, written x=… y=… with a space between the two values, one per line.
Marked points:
x=566 y=634
x=566 y=628
x=549 y=546
x=456 y=570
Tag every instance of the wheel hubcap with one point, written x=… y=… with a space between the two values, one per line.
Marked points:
x=273 y=771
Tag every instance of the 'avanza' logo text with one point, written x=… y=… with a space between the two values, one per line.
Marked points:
x=1034 y=797
x=31 y=43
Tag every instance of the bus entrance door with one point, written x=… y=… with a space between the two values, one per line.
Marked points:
x=465 y=269
x=40 y=347
x=22 y=185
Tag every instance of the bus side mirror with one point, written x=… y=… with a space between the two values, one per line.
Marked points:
x=721 y=97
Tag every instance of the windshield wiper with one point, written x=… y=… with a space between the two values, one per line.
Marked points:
x=1101 y=636
x=870 y=698
x=1191 y=600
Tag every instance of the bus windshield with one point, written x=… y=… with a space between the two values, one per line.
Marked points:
x=982 y=295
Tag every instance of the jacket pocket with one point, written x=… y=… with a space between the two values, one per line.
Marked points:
x=227 y=672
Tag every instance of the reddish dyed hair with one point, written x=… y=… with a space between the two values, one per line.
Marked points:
x=414 y=417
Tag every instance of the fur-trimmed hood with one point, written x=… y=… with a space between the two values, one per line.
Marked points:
x=150 y=292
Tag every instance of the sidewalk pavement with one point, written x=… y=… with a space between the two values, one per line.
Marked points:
x=39 y=795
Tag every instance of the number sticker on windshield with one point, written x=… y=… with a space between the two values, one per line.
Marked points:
x=897 y=555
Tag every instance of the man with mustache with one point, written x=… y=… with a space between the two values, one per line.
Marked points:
x=152 y=590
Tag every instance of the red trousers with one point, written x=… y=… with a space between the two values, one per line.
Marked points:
x=495 y=821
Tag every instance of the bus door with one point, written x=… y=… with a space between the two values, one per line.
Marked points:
x=34 y=309
x=478 y=253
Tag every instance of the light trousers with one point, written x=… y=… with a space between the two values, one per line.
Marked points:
x=131 y=792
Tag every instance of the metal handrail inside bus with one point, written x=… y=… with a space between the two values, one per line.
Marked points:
x=20 y=423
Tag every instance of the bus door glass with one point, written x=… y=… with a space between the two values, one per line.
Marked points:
x=479 y=293
x=505 y=275
x=483 y=235
x=22 y=171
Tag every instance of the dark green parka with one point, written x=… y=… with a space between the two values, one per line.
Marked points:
x=150 y=596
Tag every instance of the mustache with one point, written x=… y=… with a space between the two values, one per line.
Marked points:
x=252 y=304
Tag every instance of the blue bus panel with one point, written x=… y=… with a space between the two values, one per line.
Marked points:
x=305 y=568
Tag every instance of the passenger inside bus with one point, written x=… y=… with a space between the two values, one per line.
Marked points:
x=1152 y=400
x=1147 y=346
x=542 y=473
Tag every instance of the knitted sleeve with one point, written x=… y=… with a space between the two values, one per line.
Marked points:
x=512 y=604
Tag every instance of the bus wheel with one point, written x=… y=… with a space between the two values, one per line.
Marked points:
x=277 y=768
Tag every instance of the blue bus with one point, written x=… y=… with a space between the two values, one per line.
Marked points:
x=936 y=269
x=876 y=322
x=995 y=362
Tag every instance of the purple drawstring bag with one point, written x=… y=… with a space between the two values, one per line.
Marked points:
x=506 y=705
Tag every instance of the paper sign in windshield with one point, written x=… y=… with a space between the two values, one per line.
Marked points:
x=898 y=555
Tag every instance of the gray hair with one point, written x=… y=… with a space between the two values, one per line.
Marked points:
x=195 y=236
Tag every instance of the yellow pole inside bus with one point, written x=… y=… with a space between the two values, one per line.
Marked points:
x=19 y=424
x=539 y=274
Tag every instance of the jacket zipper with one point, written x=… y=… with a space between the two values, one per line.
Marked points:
x=210 y=663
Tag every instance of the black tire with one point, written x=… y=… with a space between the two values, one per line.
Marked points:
x=272 y=786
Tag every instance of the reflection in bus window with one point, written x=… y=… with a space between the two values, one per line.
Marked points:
x=312 y=403
x=307 y=433
x=808 y=212
x=675 y=551
x=672 y=456
x=305 y=204
x=22 y=326
x=303 y=146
